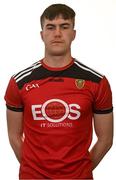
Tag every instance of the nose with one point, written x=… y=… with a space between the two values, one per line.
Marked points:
x=57 y=31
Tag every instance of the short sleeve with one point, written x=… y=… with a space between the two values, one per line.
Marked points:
x=13 y=97
x=103 y=98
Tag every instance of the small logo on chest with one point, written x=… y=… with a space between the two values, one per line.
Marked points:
x=31 y=86
x=80 y=83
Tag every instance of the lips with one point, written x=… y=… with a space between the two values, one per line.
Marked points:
x=57 y=42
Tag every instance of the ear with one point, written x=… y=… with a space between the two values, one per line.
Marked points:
x=41 y=34
x=74 y=34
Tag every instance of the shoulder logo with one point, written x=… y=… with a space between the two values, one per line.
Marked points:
x=80 y=83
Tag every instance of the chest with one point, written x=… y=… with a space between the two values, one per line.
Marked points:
x=59 y=97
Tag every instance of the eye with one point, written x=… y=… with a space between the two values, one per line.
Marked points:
x=65 y=26
x=50 y=27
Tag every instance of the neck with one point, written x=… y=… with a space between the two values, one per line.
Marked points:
x=57 y=61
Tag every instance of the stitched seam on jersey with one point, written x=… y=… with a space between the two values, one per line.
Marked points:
x=88 y=69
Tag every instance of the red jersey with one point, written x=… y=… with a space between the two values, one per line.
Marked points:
x=58 y=106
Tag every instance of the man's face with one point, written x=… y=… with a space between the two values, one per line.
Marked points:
x=57 y=35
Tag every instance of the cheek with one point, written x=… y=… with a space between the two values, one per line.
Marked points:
x=46 y=37
x=72 y=36
x=69 y=38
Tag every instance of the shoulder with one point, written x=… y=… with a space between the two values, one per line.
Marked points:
x=26 y=72
x=24 y=75
x=87 y=73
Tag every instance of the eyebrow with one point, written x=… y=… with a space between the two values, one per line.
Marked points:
x=63 y=24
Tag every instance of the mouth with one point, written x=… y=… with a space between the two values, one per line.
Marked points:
x=57 y=42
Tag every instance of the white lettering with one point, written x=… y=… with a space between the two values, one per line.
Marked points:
x=59 y=101
x=75 y=112
x=36 y=112
x=55 y=110
x=31 y=86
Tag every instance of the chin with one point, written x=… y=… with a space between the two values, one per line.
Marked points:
x=58 y=53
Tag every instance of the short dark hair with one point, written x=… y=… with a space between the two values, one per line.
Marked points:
x=55 y=10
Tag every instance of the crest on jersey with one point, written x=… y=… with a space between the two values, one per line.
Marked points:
x=80 y=83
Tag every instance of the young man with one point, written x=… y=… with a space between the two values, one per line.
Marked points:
x=52 y=105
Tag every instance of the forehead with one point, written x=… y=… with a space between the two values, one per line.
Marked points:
x=57 y=21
